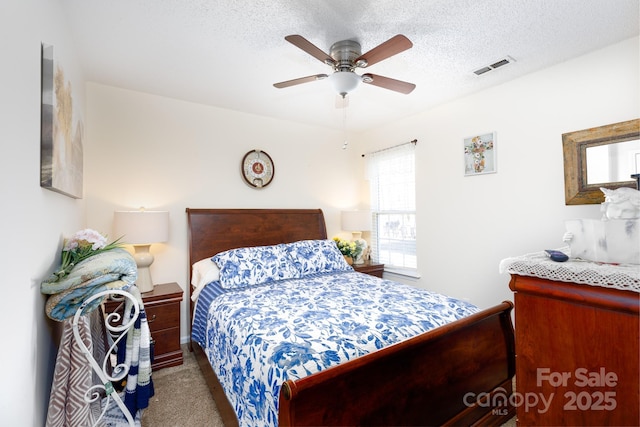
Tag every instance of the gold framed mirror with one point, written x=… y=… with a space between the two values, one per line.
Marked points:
x=604 y=156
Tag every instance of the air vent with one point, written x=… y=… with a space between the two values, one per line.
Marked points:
x=482 y=70
x=500 y=63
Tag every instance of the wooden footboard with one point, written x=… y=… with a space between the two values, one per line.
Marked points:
x=437 y=378
x=458 y=374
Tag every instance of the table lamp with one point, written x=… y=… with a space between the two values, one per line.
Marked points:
x=356 y=222
x=141 y=229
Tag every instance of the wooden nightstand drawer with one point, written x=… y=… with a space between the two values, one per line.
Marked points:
x=162 y=316
x=166 y=341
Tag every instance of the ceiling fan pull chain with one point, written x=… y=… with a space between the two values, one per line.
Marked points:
x=344 y=127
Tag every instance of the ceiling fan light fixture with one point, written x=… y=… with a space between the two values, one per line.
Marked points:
x=344 y=81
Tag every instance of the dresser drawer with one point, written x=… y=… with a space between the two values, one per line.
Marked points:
x=162 y=316
x=166 y=341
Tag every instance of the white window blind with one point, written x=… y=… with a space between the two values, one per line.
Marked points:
x=391 y=175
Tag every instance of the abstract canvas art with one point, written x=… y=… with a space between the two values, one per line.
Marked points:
x=61 y=153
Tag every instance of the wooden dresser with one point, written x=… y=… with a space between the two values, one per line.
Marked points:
x=577 y=351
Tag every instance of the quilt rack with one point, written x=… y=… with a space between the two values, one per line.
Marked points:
x=119 y=371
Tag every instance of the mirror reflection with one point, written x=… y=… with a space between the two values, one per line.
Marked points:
x=613 y=162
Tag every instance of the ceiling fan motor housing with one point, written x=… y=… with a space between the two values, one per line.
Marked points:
x=345 y=53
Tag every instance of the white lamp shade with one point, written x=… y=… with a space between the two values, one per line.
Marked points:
x=356 y=220
x=142 y=227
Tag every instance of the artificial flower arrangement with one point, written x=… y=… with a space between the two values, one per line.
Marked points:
x=351 y=249
x=82 y=245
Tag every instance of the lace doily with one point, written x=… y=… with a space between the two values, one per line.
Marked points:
x=624 y=276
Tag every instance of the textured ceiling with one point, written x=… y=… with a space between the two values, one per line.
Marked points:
x=228 y=53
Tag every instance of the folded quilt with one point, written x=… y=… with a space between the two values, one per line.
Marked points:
x=108 y=270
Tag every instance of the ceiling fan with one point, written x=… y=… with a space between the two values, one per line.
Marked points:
x=345 y=56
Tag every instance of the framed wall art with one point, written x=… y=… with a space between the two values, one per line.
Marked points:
x=480 y=154
x=61 y=130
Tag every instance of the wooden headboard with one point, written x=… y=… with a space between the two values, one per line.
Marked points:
x=215 y=230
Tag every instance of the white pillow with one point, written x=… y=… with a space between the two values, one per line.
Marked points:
x=203 y=272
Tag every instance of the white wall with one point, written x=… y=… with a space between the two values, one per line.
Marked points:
x=33 y=219
x=161 y=153
x=466 y=225
x=145 y=150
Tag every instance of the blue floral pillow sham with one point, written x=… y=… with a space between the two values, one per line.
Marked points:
x=316 y=256
x=244 y=267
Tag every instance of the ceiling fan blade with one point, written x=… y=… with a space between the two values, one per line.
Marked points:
x=300 y=81
x=388 y=83
x=393 y=46
x=310 y=48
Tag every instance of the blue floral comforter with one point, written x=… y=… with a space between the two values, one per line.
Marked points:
x=257 y=337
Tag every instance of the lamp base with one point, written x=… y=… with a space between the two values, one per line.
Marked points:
x=357 y=237
x=143 y=259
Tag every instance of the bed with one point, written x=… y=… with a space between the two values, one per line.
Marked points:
x=459 y=373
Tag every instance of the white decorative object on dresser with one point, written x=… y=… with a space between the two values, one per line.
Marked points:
x=613 y=239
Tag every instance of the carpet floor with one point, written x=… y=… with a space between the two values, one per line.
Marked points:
x=182 y=398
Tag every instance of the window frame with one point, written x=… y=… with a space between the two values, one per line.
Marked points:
x=405 y=228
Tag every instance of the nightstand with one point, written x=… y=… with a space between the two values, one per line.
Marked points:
x=162 y=306
x=370 y=268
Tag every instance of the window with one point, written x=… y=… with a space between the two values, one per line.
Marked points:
x=391 y=174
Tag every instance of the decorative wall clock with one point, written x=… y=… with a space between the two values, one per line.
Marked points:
x=257 y=168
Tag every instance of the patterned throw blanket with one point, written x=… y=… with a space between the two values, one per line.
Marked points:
x=113 y=269
x=137 y=355
x=73 y=376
